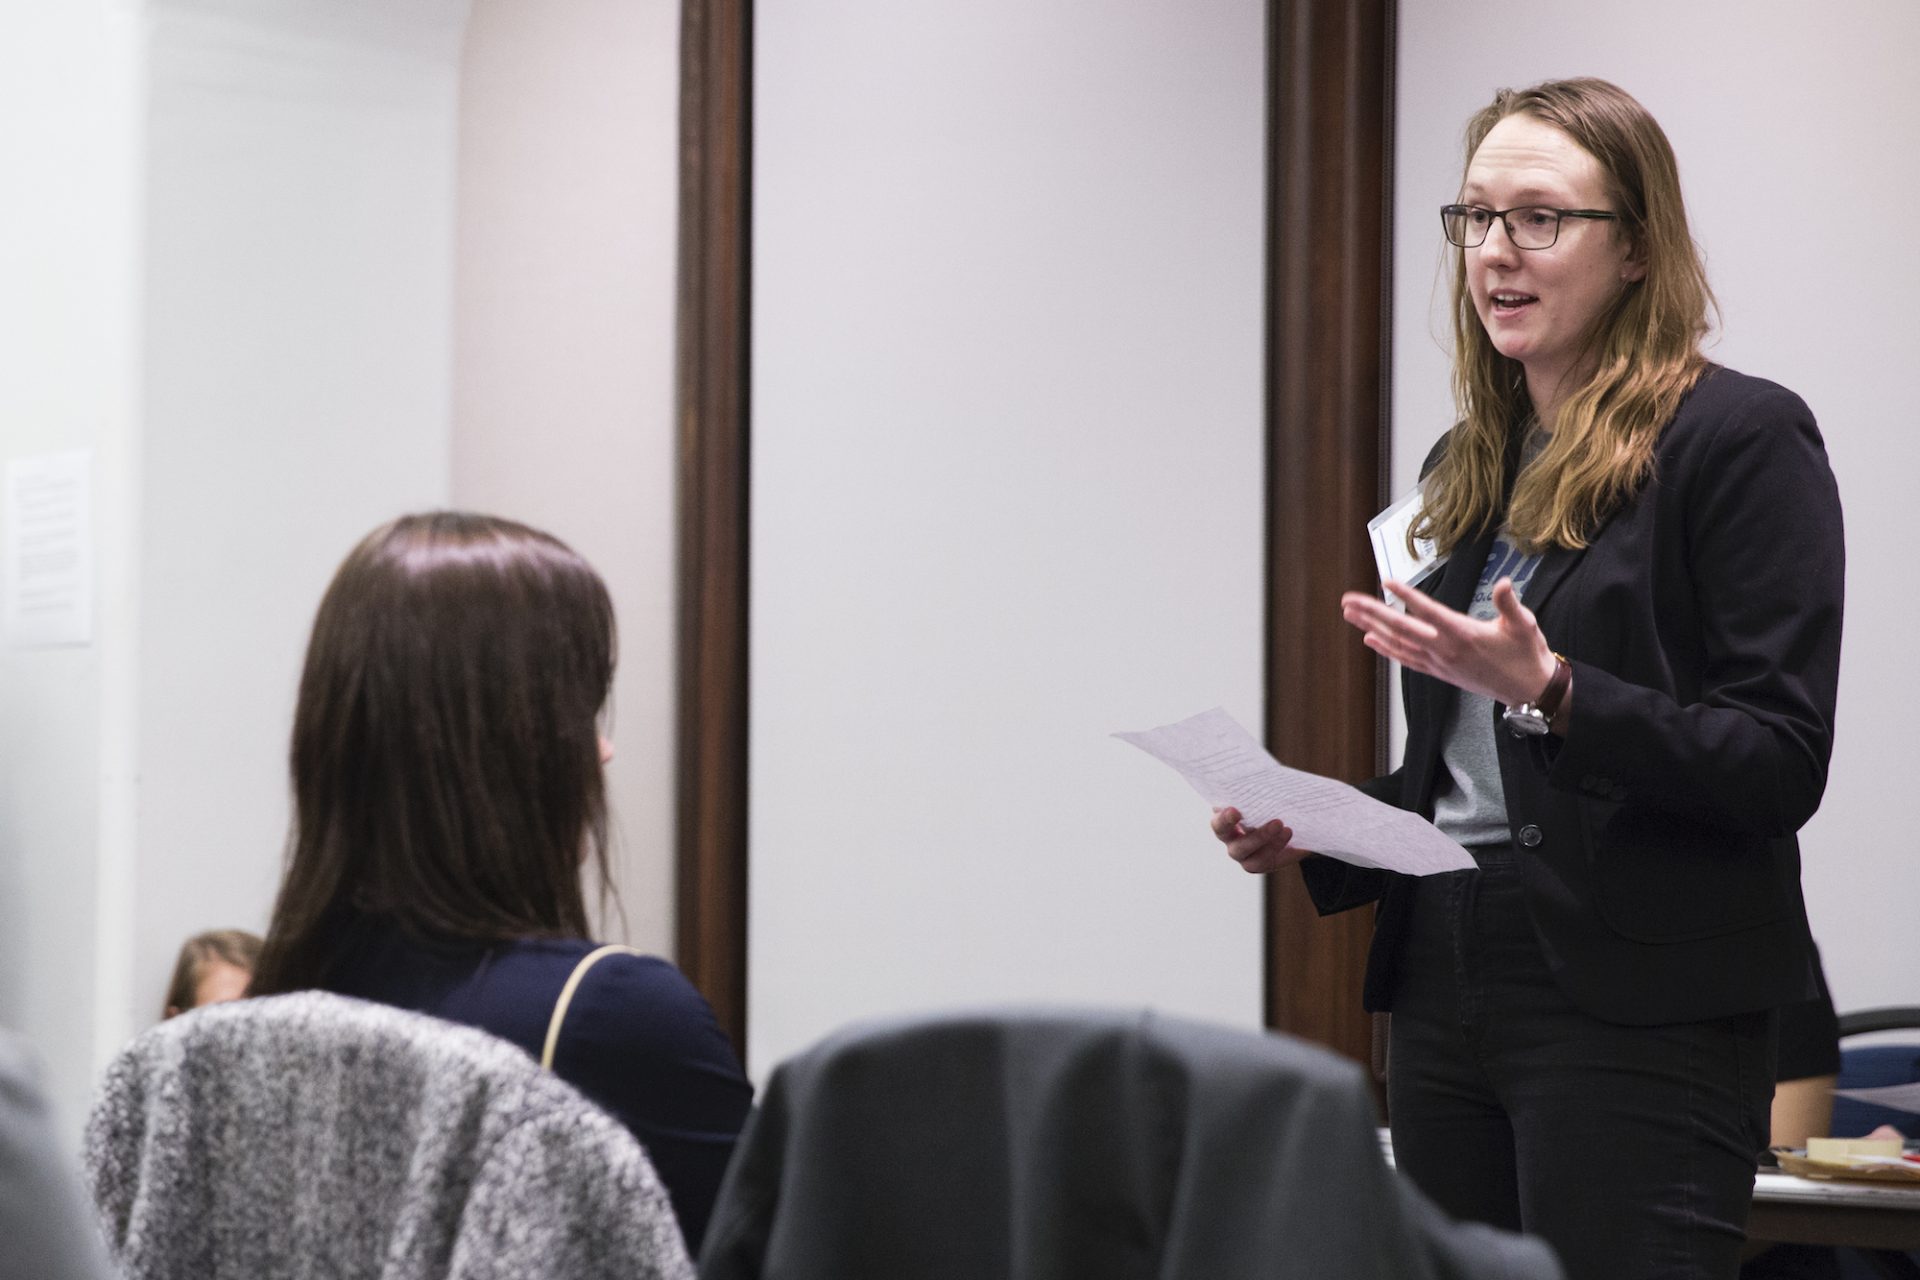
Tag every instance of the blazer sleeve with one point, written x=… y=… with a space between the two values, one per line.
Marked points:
x=1760 y=519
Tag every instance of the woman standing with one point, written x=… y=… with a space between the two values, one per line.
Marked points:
x=447 y=796
x=1620 y=697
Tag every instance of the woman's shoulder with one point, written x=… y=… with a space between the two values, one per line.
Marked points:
x=622 y=968
x=625 y=995
x=1728 y=414
x=1438 y=451
x=638 y=1038
x=1744 y=448
x=1724 y=396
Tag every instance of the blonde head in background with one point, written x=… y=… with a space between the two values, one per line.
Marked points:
x=213 y=966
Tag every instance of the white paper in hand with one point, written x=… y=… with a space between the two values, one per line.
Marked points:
x=1229 y=768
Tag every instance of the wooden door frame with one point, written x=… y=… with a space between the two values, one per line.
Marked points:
x=714 y=326
x=1329 y=325
x=1329 y=201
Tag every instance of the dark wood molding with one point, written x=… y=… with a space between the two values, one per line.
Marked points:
x=1329 y=195
x=711 y=809
x=1329 y=198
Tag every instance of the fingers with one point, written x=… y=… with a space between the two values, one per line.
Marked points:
x=1245 y=843
x=1507 y=601
x=1263 y=848
x=1286 y=857
x=1419 y=604
x=1524 y=629
x=1372 y=615
x=1404 y=654
x=1278 y=854
x=1433 y=636
x=1411 y=641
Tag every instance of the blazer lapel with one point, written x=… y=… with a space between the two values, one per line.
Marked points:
x=1554 y=567
x=1462 y=573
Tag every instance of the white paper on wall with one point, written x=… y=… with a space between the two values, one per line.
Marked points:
x=49 y=550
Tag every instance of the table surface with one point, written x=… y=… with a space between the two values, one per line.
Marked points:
x=1831 y=1211
x=1772 y=1186
x=1821 y=1210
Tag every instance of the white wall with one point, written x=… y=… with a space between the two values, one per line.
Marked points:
x=239 y=286
x=1007 y=498
x=237 y=280
x=298 y=285
x=1796 y=127
x=563 y=350
x=69 y=123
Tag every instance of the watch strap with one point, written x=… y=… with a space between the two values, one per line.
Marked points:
x=1548 y=703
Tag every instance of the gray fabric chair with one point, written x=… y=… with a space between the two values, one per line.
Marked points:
x=1040 y=1144
x=311 y=1135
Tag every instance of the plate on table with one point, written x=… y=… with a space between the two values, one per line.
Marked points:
x=1901 y=1168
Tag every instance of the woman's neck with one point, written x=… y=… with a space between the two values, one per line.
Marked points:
x=1546 y=397
x=1550 y=389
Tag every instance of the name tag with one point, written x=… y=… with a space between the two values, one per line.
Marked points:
x=1388 y=531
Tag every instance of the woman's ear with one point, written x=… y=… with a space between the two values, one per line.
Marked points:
x=1634 y=268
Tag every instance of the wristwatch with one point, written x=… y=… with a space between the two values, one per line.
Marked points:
x=1531 y=719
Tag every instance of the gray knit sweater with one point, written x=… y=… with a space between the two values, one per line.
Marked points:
x=311 y=1135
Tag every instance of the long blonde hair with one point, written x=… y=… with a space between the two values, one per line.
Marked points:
x=1645 y=348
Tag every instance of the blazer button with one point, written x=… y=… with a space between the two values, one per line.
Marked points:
x=1530 y=836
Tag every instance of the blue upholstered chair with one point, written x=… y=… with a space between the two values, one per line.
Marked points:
x=1871 y=1066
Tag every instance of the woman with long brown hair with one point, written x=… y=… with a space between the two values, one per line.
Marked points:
x=448 y=794
x=1620 y=698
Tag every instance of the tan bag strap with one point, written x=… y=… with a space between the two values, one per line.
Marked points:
x=566 y=996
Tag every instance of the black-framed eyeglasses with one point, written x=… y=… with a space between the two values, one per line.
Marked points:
x=1529 y=226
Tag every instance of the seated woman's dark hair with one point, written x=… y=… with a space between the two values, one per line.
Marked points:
x=446 y=751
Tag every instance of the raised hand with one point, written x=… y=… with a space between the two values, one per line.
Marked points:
x=1506 y=659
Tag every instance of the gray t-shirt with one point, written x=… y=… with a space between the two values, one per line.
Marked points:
x=1474 y=810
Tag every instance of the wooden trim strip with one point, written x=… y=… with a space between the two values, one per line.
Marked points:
x=1329 y=199
x=715 y=199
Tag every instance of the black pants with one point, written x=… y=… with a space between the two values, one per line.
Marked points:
x=1631 y=1150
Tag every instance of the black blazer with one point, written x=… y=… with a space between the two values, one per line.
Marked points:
x=1703 y=625
x=1071 y=1142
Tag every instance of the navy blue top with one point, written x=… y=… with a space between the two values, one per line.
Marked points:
x=638 y=1039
